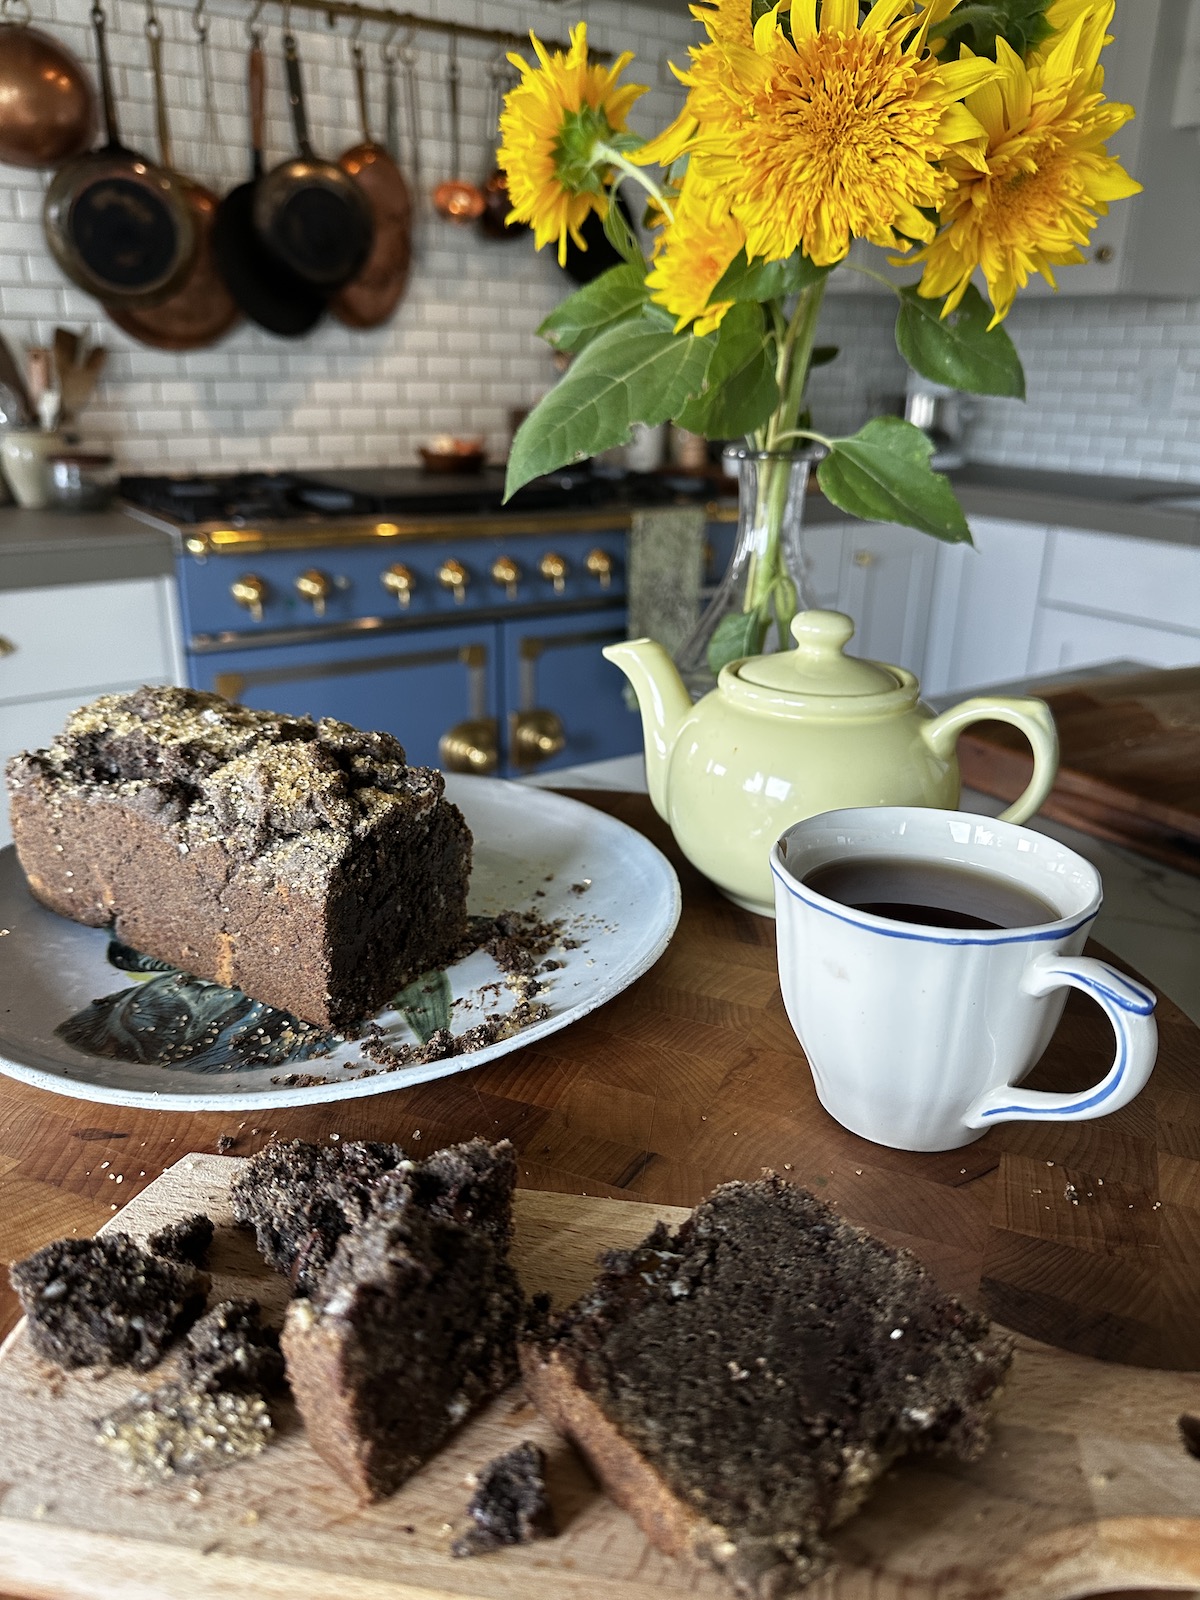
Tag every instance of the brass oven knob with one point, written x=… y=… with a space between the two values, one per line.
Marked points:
x=250 y=591
x=536 y=736
x=316 y=586
x=398 y=580
x=507 y=574
x=600 y=564
x=471 y=746
x=453 y=575
x=554 y=569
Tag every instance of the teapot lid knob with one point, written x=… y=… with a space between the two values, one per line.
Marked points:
x=819 y=666
x=822 y=633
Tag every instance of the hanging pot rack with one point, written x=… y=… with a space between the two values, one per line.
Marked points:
x=395 y=21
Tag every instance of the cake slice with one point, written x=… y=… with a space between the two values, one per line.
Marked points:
x=300 y=1199
x=105 y=1301
x=305 y=863
x=740 y=1384
x=413 y=1323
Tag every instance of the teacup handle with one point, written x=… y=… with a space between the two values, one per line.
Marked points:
x=1130 y=1009
x=1034 y=720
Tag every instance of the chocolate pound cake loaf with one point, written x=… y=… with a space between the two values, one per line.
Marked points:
x=739 y=1385
x=302 y=862
x=414 y=1322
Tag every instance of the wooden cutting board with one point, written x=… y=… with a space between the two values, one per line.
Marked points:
x=1087 y=1484
x=1129 y=764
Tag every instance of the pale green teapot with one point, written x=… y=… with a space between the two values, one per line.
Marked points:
x=812 y=729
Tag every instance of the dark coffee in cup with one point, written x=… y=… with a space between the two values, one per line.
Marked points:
x=931 y=893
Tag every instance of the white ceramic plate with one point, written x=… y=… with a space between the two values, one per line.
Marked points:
x=614 y=892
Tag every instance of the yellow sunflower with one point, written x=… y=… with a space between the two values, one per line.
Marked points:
x=554 y=127
x=826 y=130
x=1048 y=176
x=690 y=257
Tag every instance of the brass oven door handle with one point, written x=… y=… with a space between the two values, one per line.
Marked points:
x=536 y=736
x=472 y=745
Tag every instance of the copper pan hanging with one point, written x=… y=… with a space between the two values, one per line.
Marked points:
x=373 y=294
x=201 y=310
x=118 y=225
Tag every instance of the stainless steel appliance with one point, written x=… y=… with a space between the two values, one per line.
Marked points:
x=397 y=600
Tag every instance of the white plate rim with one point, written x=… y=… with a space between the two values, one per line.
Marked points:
x=535 y=799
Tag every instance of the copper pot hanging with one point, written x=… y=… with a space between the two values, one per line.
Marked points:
x=371 y=297
x=201 y=310
x=47 y=103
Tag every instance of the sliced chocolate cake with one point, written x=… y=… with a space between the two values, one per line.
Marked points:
x=300 y=1199
x=740 y=1384
x=105 y=1301
x=305 y=863
x=412 y=1324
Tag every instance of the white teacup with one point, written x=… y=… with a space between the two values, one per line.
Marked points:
x=916 y=1034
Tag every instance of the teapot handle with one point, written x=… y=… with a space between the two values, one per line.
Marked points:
x=1032 y=717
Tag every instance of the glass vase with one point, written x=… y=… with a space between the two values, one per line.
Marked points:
x=765 y=583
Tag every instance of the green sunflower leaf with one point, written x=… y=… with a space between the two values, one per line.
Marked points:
x=739 y=634
x=637 y=370
x=739 y=391
x=882 y=474
x=958 y=350
x=977 y=24
x=619 y=233
x=615 y=296
x=765 y=280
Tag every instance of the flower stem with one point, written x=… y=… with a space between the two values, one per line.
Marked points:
x=768 y=583
x=628 y=169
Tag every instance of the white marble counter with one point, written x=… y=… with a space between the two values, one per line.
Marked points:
x=1150 y=917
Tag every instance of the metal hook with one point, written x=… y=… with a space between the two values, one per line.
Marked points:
x=385 y=44
x=287 y=16
x=356 y=31
x=199 y=20
x=153 y=25
x=253 y=30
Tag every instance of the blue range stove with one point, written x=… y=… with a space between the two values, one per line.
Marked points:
x=412 y=602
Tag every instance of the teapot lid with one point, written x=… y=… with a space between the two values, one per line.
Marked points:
x=818 y=666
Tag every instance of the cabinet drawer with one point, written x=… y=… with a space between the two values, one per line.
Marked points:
x=1136 y=578
x=76 y=639
x=1064 y=639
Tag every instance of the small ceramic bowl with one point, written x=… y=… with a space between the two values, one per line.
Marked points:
x=447 y=454
x=80 y=480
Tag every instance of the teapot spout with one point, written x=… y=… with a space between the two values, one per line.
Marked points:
x=663 y=702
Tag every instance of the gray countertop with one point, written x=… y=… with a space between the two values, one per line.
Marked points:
x=47 y=547
x=40 y=548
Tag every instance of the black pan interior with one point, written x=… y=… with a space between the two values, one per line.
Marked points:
x=263 y=287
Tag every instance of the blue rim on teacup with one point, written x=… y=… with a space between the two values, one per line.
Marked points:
x=879 y=816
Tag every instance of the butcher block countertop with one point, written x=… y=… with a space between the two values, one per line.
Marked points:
x=693 y=1077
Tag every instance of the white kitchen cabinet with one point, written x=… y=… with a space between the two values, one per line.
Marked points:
x=984 y=604
x=886 y=584
x=1150 y=244
x=63 y=645
x=1065 y=639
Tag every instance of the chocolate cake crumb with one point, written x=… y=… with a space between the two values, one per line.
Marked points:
x=510 y=1505
x=301 y=1198
x=230 y=1349
x=225 y=1143
x=105 y=1301
x=175 y=1431
x=186 y=1240
x=1189 y=1432
x=739 y=1384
